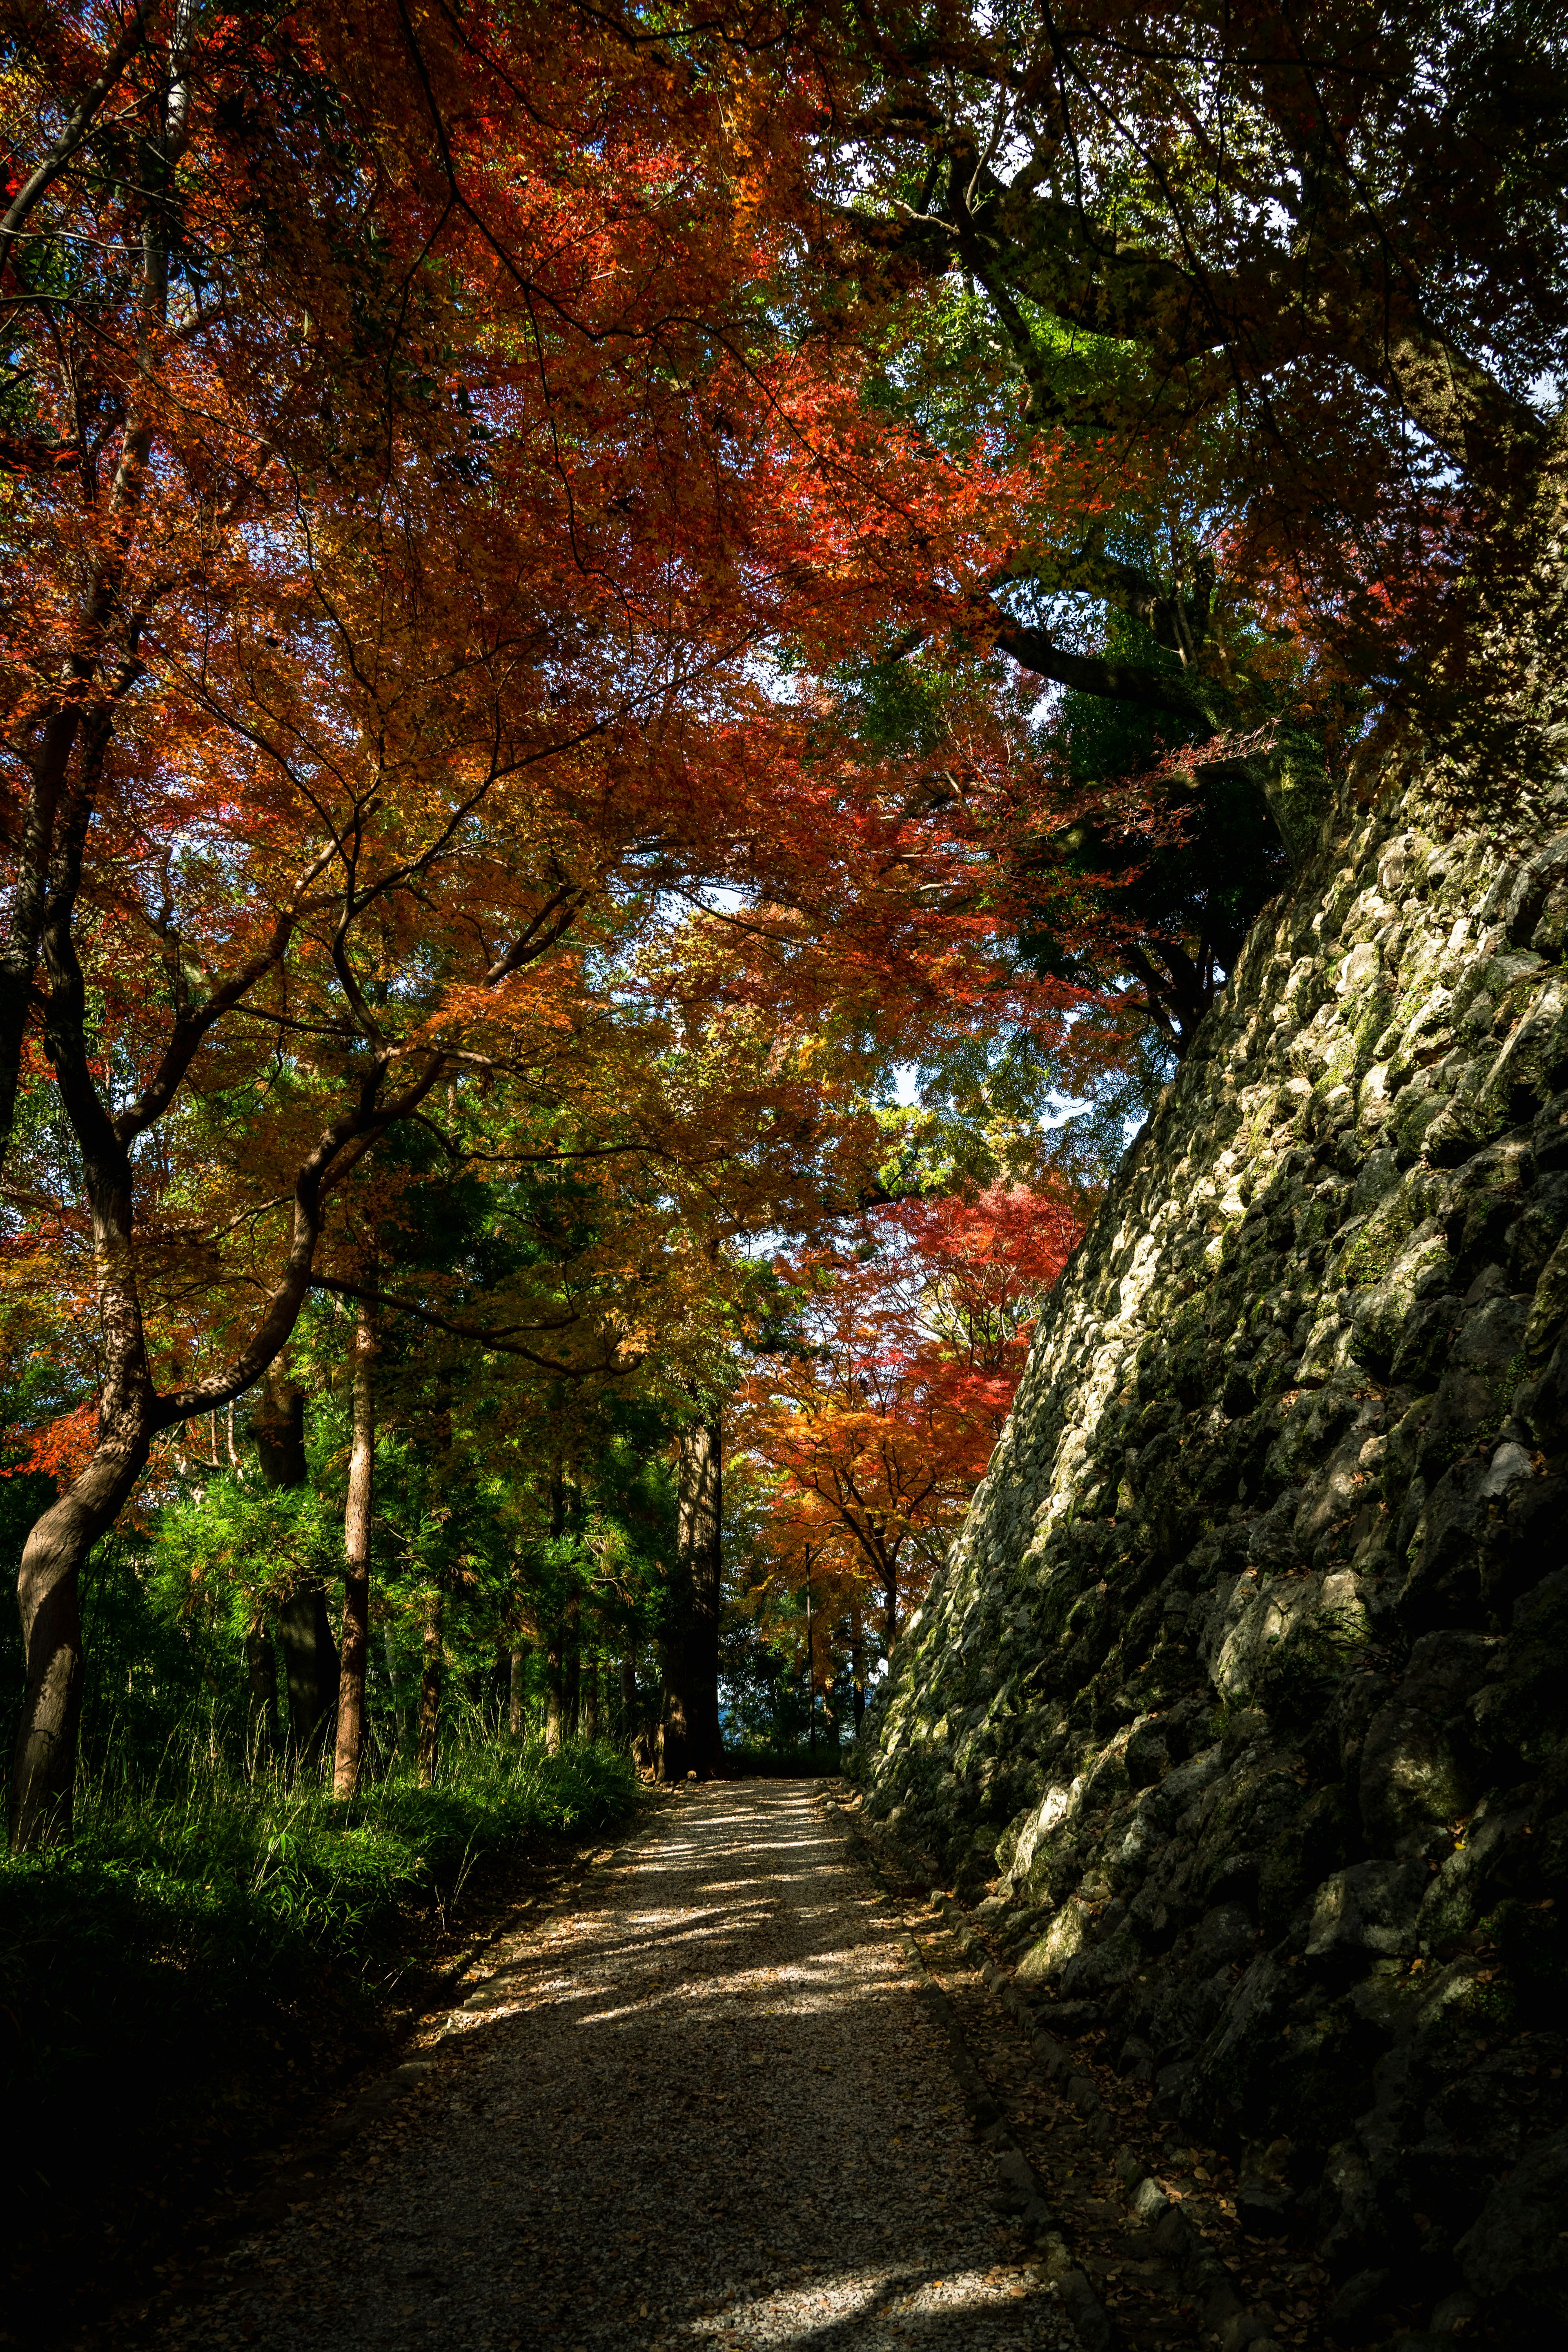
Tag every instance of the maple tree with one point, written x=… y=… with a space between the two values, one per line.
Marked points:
x=1221 y=301
x=528 y=531
x=878 y=1416
x=322 y=704
x=257 y=826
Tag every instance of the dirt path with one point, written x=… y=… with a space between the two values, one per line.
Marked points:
x=709 y=2107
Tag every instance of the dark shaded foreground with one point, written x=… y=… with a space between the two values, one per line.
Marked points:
x=186 y=2000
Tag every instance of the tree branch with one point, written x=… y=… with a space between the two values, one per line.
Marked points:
x=77 y=124
x=499 y=1337
x=1034 y=649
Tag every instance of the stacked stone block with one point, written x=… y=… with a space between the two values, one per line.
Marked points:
x=1242 y=1704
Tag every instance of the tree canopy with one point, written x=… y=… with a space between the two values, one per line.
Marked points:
x=585 y=591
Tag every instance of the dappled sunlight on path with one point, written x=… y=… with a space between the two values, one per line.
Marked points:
x=706 y=2109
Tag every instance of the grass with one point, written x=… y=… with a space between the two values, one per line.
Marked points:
x=207 y=1943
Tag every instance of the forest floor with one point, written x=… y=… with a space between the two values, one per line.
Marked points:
x=711 y=2102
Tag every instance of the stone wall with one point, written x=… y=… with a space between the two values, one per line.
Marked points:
x=1240 y=1705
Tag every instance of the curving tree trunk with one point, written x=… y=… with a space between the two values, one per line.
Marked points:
x=49 y=1599
x=131 y=1412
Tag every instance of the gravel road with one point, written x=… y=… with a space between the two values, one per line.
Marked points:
x=706 y=2108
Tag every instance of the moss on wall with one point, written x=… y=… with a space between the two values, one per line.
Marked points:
x=1243 y=1699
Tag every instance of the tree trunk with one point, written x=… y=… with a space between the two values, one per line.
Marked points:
x=590 y=1714
x=430 y=1692
x=261 y=1678
x=628 y=1694
x=348 y=1761
x=689 y=1738
x=554 y=1684
x=810 y=1669
x=277 y=1427
x=49 y=1599
x=857 y=1666
x=432 y=1673
x=554 y=1680
x=572 y=1669
x=889 y=1606
x=311 y=1668
x=310 y=1653
x=516 y=1718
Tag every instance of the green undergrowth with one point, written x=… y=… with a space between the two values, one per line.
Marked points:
x=781 y=1760
x=199 y=1956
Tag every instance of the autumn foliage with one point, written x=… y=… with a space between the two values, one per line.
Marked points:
x=563 y=583
x=878 y=1416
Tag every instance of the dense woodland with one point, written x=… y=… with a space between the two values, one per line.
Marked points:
x=652 y=664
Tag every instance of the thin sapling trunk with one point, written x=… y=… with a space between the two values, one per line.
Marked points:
x=348 y=1761
x=572 y=1678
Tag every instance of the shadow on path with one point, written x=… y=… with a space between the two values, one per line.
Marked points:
x=707 y=2109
